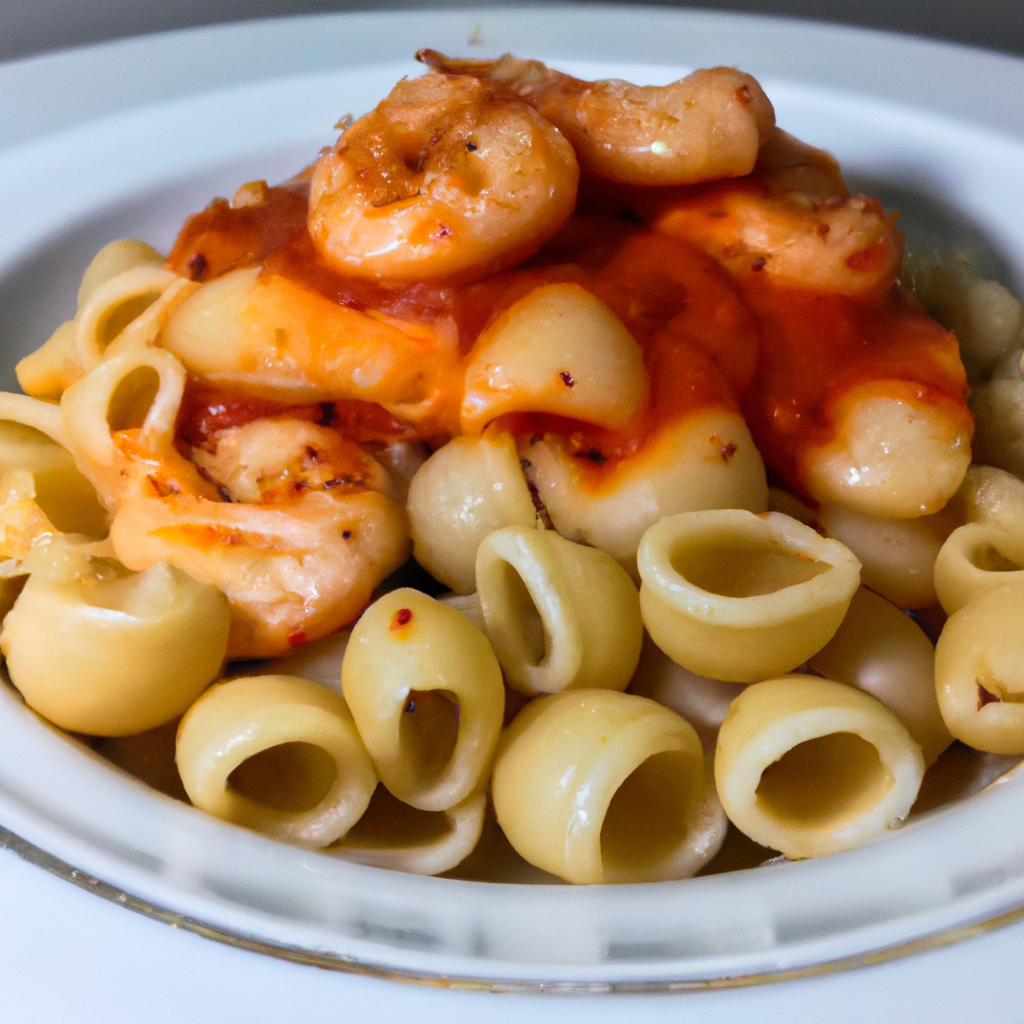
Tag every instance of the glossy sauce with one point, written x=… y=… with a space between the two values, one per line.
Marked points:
x=711 y=336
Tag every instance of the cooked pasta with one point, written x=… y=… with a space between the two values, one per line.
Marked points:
x=394 y=835
x=703 y=702
x=742 y=597
x=812 y=767
x=99 y=650
x=977 y=557
x=425 y=691
x=64 y=495
x=897 y=556
x=557 y=350
x=46 y=372
x=278 y=754
x=978 y=671
x=601 y=786
x=883 y=652
x=560 y=615
x=467 y=489
x=707 y=460
x=438 y=340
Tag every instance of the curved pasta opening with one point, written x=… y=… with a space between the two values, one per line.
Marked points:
x=122 y=314
x=428 y=731
x=988 y=558
x=390 y=823
x=132 y=398
x=732 y=567
x=291 y=777
x=649 y=814
x=824 y=782
x=530 y=637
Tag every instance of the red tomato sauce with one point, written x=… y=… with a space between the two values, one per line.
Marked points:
x=779 y=354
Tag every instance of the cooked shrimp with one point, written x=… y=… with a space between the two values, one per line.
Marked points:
x=838 y=246
x=292 y=571
x=280 y=457
x=447 y=177
x=706 y=126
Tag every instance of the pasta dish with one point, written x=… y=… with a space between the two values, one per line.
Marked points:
x=571 y=475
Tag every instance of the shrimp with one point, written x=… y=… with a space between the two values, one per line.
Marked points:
x=706 y=126
x=838 y=246
x=278 y=457
x=448 y=177
x=292 y=571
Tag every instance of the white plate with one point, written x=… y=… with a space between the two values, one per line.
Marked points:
x=127 y=139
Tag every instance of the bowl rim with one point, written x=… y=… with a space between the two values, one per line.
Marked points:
x=60 y=805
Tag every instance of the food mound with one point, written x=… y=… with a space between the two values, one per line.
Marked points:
x=639 y=384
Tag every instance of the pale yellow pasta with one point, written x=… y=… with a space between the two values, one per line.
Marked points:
x=992 y=495
x=464 y=491
x=54 y=366
x=271 y=336
x=979 y=671
x=885 y=653
x=127 y=311
x=57 y=363
x=115 y=258
x=601 y=786
x=99 y=650
x=278 y=754
x=62 y=493
x=987 y=319
x=705 y=460
x=394 y=835
x=742 y=597
x=319 y=660
x=560 y=615
x=703 y=702
x=557 y=350
x=467 y=605
x=894 y=455
x=23 y=523
x=897 y=556
x=812 y=767
x=425 y=690
x=136 y=394
x=977 y=557
x=998 y=407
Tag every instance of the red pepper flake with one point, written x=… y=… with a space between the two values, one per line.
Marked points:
x=758 y=264
x=401 y=618
x=743 y=95
x=196 y=266
x=567 y=379
x=727 y=451
x=296 y=638
x=823 y=230
x=985 y=697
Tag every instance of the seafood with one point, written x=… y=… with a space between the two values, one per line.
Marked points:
x=706 y=126
x=447 y=176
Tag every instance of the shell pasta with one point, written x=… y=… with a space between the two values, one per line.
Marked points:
x=528 y=482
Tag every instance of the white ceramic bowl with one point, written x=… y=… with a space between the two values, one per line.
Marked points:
x=128 y=138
